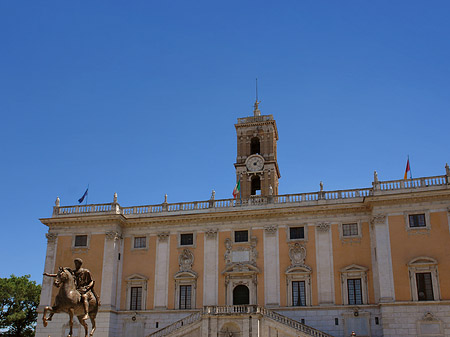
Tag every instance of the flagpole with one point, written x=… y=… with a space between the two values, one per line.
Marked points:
x=240 y=194
x=410 y=173
x=87 y=194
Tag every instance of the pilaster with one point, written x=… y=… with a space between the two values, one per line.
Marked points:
x=210 y=274
x=271 y=266
x=110 y=270
x=162 y=271
x=383 y=257
x=324 y=257
x=49 y=267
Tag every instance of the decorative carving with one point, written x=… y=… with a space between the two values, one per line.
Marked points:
x=163 y=236
x=186 y=259
x=378 y=219
x=253 y=252
x=112 y=235
x=297 y=254
x=213 y=195
x=57 y=202
x=271 y=230
x=228 y=246
x=211 y=233
x=321 y=186
x=115 y=198
x=429 y=317
x=51 y=238
x=323 y=227
x=375 y=177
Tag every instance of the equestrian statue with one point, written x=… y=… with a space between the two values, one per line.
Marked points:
x=76 y=296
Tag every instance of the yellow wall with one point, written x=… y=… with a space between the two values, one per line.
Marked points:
x=356 y=252
x=285 y=262
x=407 y=245
x=139 y=261
x=92 y=258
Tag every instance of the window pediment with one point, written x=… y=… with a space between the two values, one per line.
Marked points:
x=354 y=268
x=136 y=278
x=186 y=275
x=299 y=270
x=240 y=268
x=422 y=260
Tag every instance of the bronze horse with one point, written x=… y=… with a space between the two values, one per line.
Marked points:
x=69 y=300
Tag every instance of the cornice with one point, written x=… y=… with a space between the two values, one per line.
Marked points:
x=412 y=197
x=115 y=219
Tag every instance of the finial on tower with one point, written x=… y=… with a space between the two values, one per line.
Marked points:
x=256 y=111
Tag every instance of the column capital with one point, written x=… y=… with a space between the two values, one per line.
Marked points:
x=323 y=226
x=211 y=233
x=271 y=230
x=378 y=219
x=113 y=235
x=51 y=237
x=163 y=236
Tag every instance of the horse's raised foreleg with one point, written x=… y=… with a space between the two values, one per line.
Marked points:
x=84 y=324
x=92 y=317
x=45 y=319
x=70 y=312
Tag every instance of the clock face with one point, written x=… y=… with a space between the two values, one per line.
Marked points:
x=255 y=163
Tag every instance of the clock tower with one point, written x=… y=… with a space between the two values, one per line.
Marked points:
x=256 y=162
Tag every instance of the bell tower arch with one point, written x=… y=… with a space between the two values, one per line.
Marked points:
x=256 y=161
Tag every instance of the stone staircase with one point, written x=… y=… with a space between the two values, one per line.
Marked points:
x=232 y=311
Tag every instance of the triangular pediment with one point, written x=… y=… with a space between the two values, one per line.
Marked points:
x=137 y=277
x=304 y=269
x=354 y=268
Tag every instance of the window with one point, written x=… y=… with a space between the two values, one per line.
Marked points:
x=350 y=229
x=254 y=146
x=417 y=220
x=424 y=279
x=187 y=239
x=136 y=292
x=296 y=233
x=241 y=236
x=424 y=287
x=185 y=297
x=81 y=241
x=354 y=291
x=354 y=285
x=136 y=298
x=140 y=242
x=299 y=290
x=298 y=293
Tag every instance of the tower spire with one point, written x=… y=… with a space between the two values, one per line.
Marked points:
x=256 y=111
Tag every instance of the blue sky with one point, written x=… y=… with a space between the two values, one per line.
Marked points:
x=141 y=97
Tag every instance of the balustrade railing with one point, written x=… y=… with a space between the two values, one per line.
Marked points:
x=177 y=325
x=239 y=310
x=380 y=186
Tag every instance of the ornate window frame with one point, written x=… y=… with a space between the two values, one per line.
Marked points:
x=424 y=264
x=194 y=239
x=185 y=278
x=137 y=280
x=425 y=229
x=298 y=273
x=354 y=271
x=305 y=232
x=139 y=236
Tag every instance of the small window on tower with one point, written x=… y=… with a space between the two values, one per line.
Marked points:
x=241 y=236
x=254 y=146
x=187 y=239
x=81 y=241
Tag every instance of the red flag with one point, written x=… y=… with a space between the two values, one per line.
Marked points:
x=408 y=169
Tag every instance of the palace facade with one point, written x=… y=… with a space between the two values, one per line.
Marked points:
x=373 y=260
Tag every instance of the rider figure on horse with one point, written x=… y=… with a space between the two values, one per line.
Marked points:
x=84 y=282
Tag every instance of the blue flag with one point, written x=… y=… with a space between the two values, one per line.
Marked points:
x=84 y=196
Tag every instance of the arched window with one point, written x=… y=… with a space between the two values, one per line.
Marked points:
x=256 y=185
x=241 y=295
x=254 y=146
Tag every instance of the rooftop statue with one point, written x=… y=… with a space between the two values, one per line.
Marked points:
x=76 y=296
